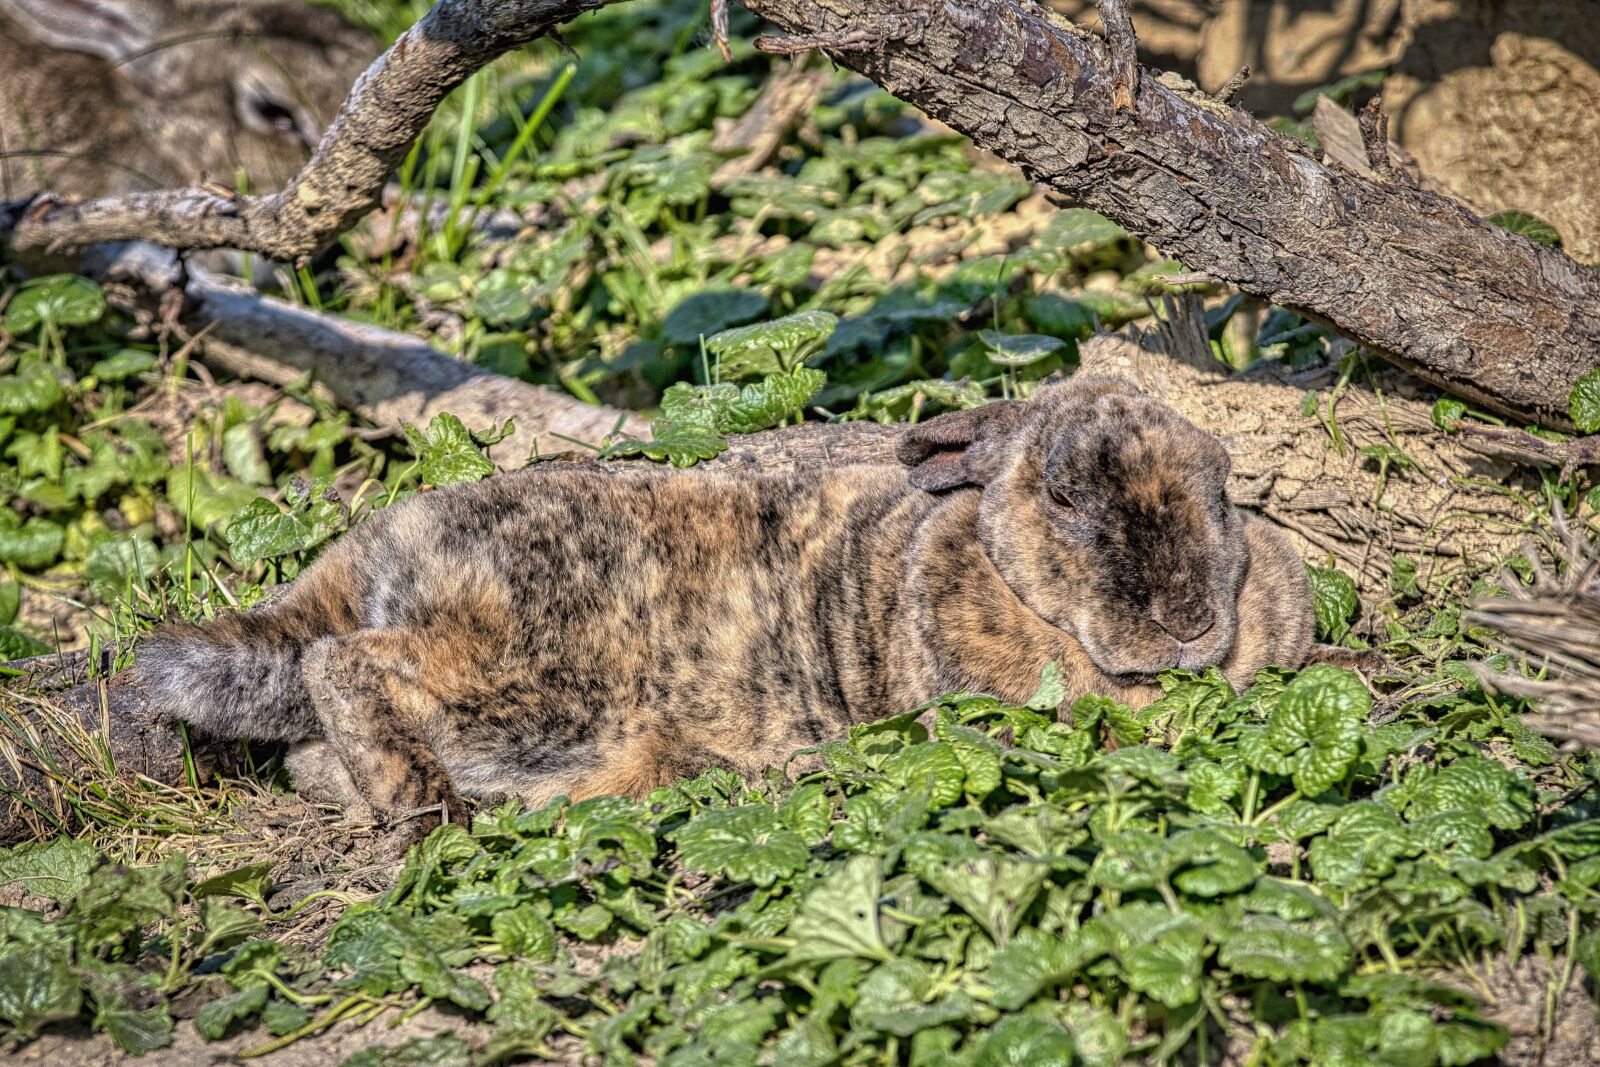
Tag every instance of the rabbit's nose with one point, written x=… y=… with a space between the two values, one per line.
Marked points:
x=1187 y=626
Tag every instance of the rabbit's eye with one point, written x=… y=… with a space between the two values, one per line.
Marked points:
x=1062 y=497
x=274 y=115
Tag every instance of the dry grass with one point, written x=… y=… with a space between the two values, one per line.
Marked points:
x=1552 y=624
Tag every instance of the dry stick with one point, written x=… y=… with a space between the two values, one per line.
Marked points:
x=1487 y=314
x=1118 y=25
x=387 y=108
x=388 y=377
x=1233 y=86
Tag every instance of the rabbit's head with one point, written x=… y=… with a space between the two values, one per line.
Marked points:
x=1106 y=512
x=176 y=89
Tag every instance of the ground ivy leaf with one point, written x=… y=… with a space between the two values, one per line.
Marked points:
x=215 y=1016
x=1019 y=350
x=250 y=882
x=749 y=842
x=34 y=387
x=58 y=869
x=1025 y=1041
x=932 y=766
x=440 y=1050
x=1265 y=946
x=1475 y=784
x=447 y=453
x=808 y=811
x=1034 y=962
x=1052 y=690
x=1334 y=596
x=37 y=987
x=60 y=299
x=522 y=932
x=838 y=917
x=681 y=444
x=993 y=889
x=1317 y=726
x=1160 y=951
x=1583 y=404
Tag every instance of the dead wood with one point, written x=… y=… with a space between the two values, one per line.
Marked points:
x=388 y=377
x=1482 y=312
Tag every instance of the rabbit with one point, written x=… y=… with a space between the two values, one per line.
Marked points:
x=585 y=628
x=102 y=97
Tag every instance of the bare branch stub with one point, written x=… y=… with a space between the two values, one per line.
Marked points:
x=1118 y=25
x=1375 y=136
x=1233 y=86
x=388 y=107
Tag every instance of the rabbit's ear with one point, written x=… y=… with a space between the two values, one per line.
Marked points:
x=960 y=448
x=114 y=29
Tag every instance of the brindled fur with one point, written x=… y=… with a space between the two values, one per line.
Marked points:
x=576 y=629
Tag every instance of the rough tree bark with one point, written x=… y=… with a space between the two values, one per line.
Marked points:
x=1487 y=314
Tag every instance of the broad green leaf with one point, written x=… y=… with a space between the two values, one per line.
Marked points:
x=1025 y=1041
x=709 y=312
x=123 y=364
x=681 y=444
x=749 y=842
x=838 y=917
x=523 y=933
x=1478 y=785
x=1317 y=726
x=116 y=567
x=242 y=454
x=58 y=869
x=1362 y=845
x=216 y=1016
x=1019 y=350
x=14 y=644
x=1266 y=946
x=1160 y=951
x=1334 y=596
x=1447 y=412
x=31 y=545
x=1033 y=962
x=250 y=882
x=1583 y=404
x=33 y=387
x=36 y=988
x=931 y=766
x=447 y=453
x=789 y=334
x=1051 y=690
x=60 y=299
x=993 y=889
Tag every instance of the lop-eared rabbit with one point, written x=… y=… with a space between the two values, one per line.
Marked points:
x=577 y=629
x=111 y=96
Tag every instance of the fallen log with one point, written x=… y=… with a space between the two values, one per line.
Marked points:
x=388 y=377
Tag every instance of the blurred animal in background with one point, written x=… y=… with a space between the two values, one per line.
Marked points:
x=99 y=97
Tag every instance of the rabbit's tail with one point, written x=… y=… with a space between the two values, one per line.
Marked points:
x=238 y=675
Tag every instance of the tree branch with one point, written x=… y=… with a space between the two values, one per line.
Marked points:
x=389 y=106
x=1487 y=314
